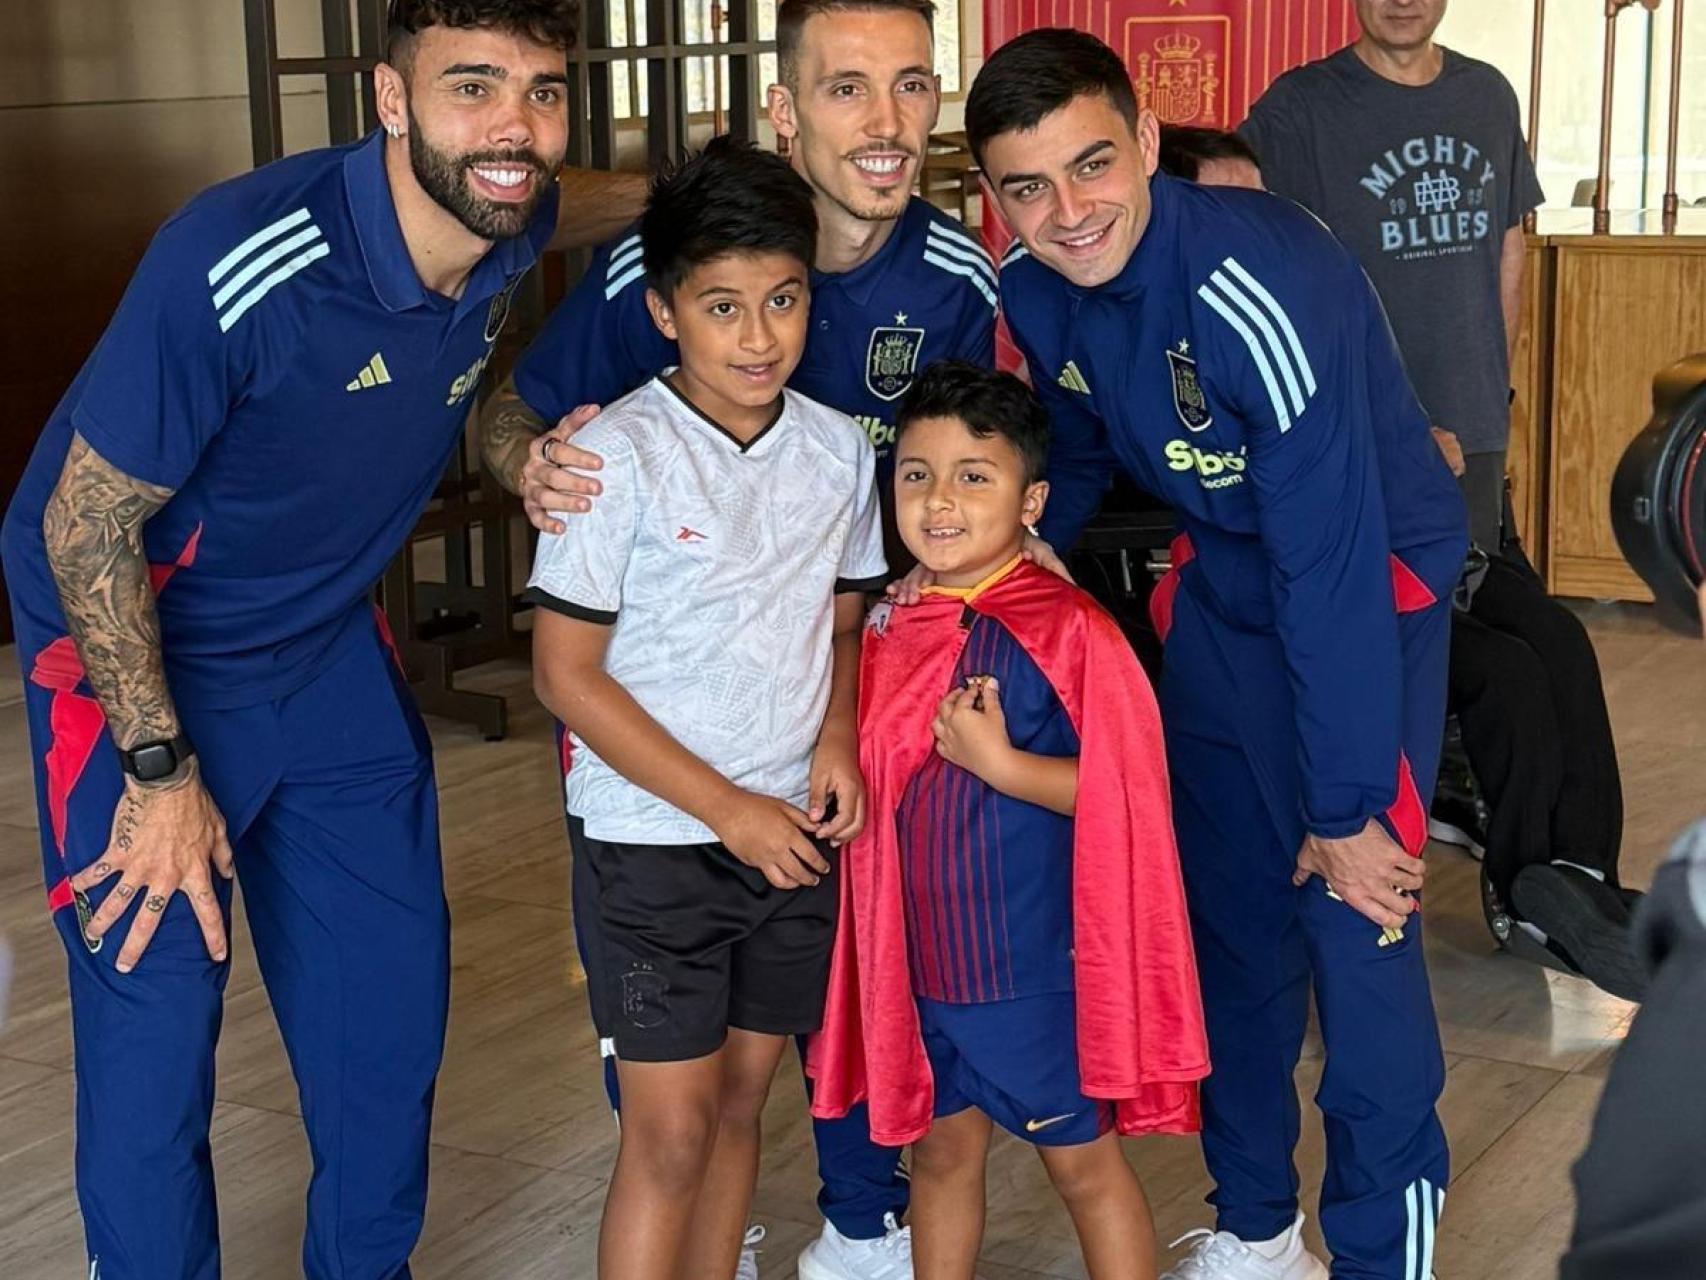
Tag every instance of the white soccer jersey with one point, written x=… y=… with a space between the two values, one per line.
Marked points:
x=717 y=564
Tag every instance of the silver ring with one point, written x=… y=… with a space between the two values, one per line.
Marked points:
x=545 y=450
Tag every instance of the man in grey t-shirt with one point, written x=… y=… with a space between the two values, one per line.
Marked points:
x=1414 y=156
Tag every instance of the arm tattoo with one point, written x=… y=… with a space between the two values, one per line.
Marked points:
x=93 y=528
x=507 y=428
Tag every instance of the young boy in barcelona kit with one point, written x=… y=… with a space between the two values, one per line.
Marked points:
x=698 y=638
x=1013 y=946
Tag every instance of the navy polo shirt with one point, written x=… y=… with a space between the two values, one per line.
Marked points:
x=277 y=362
x=929 y=293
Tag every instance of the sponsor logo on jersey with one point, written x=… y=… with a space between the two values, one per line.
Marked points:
x=373 y=374
x=1216 y=469
x=1072 y=380
x=688 y=534
x=464 y=386
x=892 y=358
x=881 y=433
x=1188 y=399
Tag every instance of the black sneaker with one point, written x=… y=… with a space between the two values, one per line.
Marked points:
x=1587 y=921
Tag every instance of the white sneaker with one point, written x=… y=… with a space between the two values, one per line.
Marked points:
x=747 y=1267
x=1220 y=1255
x=832 y=1256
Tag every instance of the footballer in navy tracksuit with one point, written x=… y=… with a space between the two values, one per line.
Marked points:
x=1240 y=368
x=927 y=294
x=278 y=364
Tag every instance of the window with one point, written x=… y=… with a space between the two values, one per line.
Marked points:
x=1501 y=32
x=701 y=23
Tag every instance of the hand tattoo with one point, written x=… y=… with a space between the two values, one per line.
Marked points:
x=155 y=903
x=507 y=428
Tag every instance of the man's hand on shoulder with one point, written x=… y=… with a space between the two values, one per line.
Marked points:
x=549 y=480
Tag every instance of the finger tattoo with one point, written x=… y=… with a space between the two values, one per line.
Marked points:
x=125 y=890
x=155 y=903
x=103 y=870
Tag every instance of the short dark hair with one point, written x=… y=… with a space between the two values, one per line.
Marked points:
x=1038 y=73
x=729 y=198
x=792 y=16
x=989 y=403
x=548 y=22
x=1185 y=148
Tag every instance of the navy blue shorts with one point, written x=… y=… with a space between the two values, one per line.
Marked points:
x=1017 y=1062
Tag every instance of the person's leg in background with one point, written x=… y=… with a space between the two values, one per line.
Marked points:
x=1526 y=687
x=1587 y=820
x=344 y=893
x=1483 y=485
x=863 y=1197
x=1498 y=689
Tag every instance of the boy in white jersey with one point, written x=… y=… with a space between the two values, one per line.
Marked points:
x=698 y=637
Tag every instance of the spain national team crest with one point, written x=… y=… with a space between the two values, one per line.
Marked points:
x=892 y=359
x=1188 y=399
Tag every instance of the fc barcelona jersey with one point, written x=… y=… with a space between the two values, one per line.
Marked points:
x=988 y=877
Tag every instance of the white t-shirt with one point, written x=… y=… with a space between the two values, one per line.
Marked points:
x=716 y=564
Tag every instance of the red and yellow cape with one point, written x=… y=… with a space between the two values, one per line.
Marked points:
x=1141 y=1043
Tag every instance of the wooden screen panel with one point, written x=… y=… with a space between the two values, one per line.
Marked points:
x=1624 y=311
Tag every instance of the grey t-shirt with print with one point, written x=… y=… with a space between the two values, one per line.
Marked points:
x=1421 y=183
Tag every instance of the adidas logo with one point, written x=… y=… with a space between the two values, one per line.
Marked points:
x=1072 y=380
x=374 y=374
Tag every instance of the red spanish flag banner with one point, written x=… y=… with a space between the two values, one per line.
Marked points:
x=1191 y=61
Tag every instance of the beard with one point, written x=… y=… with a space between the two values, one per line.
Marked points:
x=444 y=177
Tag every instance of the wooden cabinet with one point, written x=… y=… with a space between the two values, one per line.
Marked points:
x=1602 y=315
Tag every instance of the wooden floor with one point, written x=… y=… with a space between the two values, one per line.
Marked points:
x=523 y=1140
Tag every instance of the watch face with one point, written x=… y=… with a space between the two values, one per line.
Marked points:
x=155 y=761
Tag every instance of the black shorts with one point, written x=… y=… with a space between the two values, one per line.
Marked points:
x=685 y=941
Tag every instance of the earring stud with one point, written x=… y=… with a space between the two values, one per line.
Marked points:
x=395 y=130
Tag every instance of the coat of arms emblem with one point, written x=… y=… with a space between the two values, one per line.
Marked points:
x=892 y=358
x=1188 y=399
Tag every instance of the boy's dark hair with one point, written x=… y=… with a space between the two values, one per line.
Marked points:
x=1185 y=148
x=729 y=198
x=1038 y=73
x=792 y=15
x=989 y=403
x=549 y=22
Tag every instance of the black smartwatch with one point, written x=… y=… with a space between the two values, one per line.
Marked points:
x=153 y=761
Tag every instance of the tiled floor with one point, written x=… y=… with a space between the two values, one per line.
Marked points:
x=523 y=1139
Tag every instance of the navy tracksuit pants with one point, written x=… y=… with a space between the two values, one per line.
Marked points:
x=329 y=801
x=1263 y=945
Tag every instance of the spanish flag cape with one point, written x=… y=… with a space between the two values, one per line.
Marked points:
x=1141 y=1043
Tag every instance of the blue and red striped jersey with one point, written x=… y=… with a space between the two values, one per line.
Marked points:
x=988 y=877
